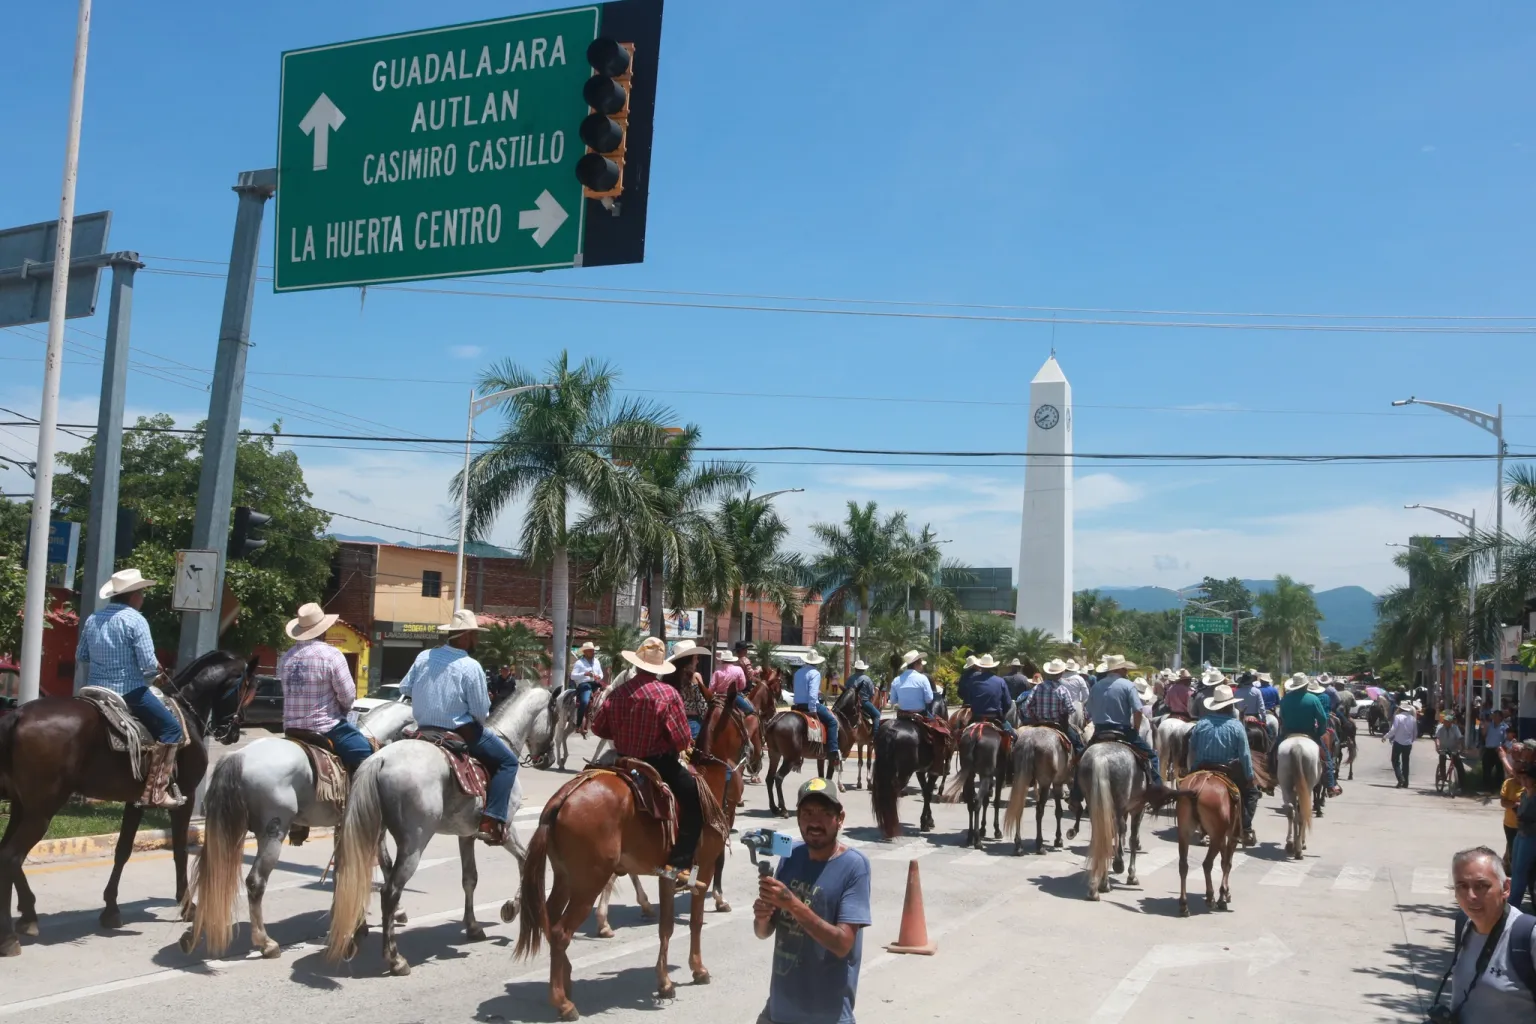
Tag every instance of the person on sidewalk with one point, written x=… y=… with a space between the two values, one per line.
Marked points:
x=1493 y=972
x=318 y=688
x=447 y=689
x=816 y=907
x=1493 y=742
x=1402 y=732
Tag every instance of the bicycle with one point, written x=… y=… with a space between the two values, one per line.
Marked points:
x=1448 y=777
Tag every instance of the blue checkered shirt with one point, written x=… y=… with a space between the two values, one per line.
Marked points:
x=116 y=645
x=447 y=688
x=1049 y=701
x=1218 y=738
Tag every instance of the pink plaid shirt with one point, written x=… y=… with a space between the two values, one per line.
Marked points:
x=318 y=690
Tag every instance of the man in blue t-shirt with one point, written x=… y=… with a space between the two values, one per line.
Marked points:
x=815 y=907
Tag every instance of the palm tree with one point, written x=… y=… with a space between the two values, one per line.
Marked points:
x=860 y=556
x=515 y=646
x=1503 y=598
x=890 y=637
x=1430 y=611
x=754 y=567
x=1091 y=608
x=557 y=446
x=1033 y=647
x=1288 y=619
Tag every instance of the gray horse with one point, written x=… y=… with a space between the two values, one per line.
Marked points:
x=1300 y=767
x=1112 y=779
x=1042 y=762
x=409 y=789
x=264 y=789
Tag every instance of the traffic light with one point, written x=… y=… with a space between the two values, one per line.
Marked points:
x=242 y=542
x=601 y=170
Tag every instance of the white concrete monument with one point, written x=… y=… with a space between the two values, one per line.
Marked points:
x=1045 y=547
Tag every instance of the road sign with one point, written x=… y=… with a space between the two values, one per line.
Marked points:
x=453 y=151
x=1212 y=624
x=24 y=298
x=197 y=575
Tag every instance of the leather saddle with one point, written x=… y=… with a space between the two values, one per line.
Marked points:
x=976 y=728
x=468 y=772
x=653 y=798
x=125 y=733
x=815 y=733
x=1056 y=727
x=939 y=738
x=1105 y=734
x=1225 y=772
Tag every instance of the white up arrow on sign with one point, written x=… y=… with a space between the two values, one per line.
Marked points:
x=322 y=119
x=545 y=220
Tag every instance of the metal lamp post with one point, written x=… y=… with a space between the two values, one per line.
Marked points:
x=1470 y=522
x=476 y=407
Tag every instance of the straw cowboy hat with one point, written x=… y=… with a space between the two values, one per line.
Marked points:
x=1054 y=667
x=859 y=666
x=312 y=622
x=726 y=658
x=125 y=581
x=986 y=661
x=1073 y=666
x=1299 y=681
x=464 y=620
x=812 y=658
x=1143 y=687
x=1211 y=677
x=1115 y=663
x=911 y=658
x=1221 y=697
x=1184 y=674
x=970 y=661
x=687 y=649
x=1315 y=686
x=589 y=646
x=1266 y=678
x=650 y=656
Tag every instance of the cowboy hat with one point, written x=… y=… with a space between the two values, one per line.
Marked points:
x=970 y=661
x=1299 y=681
x=588 y=646
x=859 y=666
x=1325 y=678
x=1211 y=677
x=1073 y=666
x=1184 y=674
x=1142 y=686
x=1016 y=660
x=986 y=661
x=686 y=649
x=1265 y=677
x=1315 y=686
x=1116 y=663
x=650 y=656
x=726 y=658
x=1054 y=667
x=312 y=622
x=463 y=621
x=1221 y=697
x=912 y=658
x=125 y=581
x=811 y=657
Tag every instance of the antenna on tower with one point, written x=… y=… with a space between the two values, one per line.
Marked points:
x=1053 y=335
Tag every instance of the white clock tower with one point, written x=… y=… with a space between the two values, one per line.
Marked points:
x=1045 y=547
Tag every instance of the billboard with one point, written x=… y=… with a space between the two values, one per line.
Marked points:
x=682 y=623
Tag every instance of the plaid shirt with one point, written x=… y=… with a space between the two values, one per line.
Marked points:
x=644 y=717
x=1049 y=701
x=116 y=645
x=318 y=690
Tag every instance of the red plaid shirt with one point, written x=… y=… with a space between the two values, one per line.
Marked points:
x=643 y=718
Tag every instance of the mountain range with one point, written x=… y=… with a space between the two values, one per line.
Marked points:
x=1349 y=613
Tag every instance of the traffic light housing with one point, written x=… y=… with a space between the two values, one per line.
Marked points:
x=606 y=127
x=242 y=540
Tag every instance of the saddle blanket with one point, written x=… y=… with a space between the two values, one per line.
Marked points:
x=974 y=731
x=468 y=773
x=125 y=733
x=815 y=733
x=653 y=797
x=331 y=782
x=1194 y=779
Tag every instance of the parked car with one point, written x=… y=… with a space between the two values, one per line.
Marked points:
x=1362 y=705
x=266 y=707
x=386 y=694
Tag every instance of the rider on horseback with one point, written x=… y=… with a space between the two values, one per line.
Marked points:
x=586 y=676
x=808 y=700
x=988 y=698
x=318 y=689
x=116 y=648
x=730 y=681
x=865 y=688
x=1177 y=693
x=1217 y=740
x=448 y=691
x=1302 y=713
x=1116 y=710
x=1050 y=703
x=644 y=718
x=911 y=691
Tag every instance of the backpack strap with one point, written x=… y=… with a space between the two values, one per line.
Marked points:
x=1520 y=930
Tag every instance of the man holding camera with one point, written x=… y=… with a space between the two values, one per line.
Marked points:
x=815 y=907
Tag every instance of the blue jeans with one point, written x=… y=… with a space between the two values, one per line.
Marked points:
x=695 y=725
x=489 y=748
x=1136 y=740
x=583 y=700
x=870 y=712
x=146 y=707
x=1522 y=873
x=828 y=722
x=745 y=706
x=351 y=746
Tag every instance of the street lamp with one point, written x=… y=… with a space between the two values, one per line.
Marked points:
x=1470 y=522
x=775 y=494
x=476 y=407
x=1494 y=424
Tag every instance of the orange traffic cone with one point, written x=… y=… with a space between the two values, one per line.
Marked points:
x=914 y=925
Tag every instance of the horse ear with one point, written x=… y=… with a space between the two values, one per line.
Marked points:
x=251 y=664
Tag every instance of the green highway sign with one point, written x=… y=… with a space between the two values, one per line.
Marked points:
x=521 y=143
x=1203 y=624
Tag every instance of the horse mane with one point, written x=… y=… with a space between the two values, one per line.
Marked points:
x=844 y=702
x=711 y=717
x=515 y=717
x=198 y=676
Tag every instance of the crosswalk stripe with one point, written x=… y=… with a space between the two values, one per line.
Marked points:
x=1148 y=862
x=1355 y=878
x=910 y=851
x=1427 y=881
x=1288 y=873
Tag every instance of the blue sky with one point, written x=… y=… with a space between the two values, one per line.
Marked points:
x=1201 y=156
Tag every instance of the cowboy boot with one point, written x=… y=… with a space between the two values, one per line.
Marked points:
x=159 y=788
x=491 y=831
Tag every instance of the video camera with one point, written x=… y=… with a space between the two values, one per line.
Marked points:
x=769 y=843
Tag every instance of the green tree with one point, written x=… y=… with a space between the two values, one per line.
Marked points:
x=14 y=517
x=558 y=446
x=1033 y=647
x=1288 y=619
x=979 y=632
x=1431 y=611
x=1229 y=594
x=860 y=556
x=1502 y=600
x=754 y=565
x=159 y=483
x=514 y=646
x=610 y=640
x=1091 y=608
x=890 y=637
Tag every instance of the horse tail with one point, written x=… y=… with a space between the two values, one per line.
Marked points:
x=1101 y=813
x=357 y=854
x=1022 y=756
x=970 y=751
x=216 y=875
x=534 y=923
x=884 y=787
x=7 y=741
x=1304 y=798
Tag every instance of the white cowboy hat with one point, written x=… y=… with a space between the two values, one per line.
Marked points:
x=463 y=621
x=986 y=661
x=1073 y=666
x=1054 y=667
x=686 y=649
x=911 y=658
x=1116 y=663
x=1211 y=677
x=1265 y=677
x=859 y=666
x=650 y=656
x=1221 y=697
x=970 y=661
x=1299 y=681
x=1325 y=678
x=1142 y=686
x=312 y=622
x=811 y=658
x=1315 y=686
x=588 y=646
x=125 y=581
x=726 y=658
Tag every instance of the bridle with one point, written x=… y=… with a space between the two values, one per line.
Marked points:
x=211 y=723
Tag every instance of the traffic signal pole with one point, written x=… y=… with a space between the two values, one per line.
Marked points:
x=216 y=484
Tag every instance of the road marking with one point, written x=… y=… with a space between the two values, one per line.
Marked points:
x=978 y=858
x=1289 y=873
x=910 y=851
x=1431 y=881
x=1148 y=862
x=1355 y=878
x=945 y=927
x=1260 y=956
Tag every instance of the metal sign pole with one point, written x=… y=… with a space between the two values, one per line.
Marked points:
x=53 y=365
x=216 y=484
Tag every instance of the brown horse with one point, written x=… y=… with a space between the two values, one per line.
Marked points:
x=591 y=831
x=1215 y=809
x=788 y=746
x=56 y=747
x=854 y=733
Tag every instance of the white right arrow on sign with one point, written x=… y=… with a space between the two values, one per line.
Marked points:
x=322 y=119
x=545 y=219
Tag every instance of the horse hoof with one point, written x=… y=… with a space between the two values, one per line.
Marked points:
x=509 y=911
x=270 y=950
x=399 y=968
x=475 y=934
x=701 y=977
x=29 y=928
x=647 y=913
x=1183 y=910
x=185 y=942
x=569 y=1013
x=188 y=912
x=1131 y=880
x=1093 y=894
x=1221 y=904
x=670 y=992
x=605 y=932
x=1071 y=834
x=400 y=917
x=722 y=907
x=111 y=918
x=10 y=947
x=1058 y=842
x=1104 y=886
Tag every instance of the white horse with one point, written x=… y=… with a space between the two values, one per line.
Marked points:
x=1300 y=767
x=265 y=789
x=1173 y=746
x=409 y=789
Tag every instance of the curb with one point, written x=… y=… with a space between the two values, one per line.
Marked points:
x=76 y=847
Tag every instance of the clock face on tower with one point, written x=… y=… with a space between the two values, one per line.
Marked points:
x=1047 y=416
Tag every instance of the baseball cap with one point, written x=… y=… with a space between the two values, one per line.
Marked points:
x=819 y=788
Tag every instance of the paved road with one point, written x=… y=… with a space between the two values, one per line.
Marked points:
x=1355 y=932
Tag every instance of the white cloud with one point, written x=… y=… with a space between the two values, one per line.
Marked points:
x=465 y=351
x=1101 y=490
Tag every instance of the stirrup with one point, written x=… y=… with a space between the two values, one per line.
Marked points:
x=681 y=878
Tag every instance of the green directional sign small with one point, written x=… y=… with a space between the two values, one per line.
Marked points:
x=1204 y=624
x=454 y=151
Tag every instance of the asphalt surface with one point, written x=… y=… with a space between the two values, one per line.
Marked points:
x=1357 y=931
